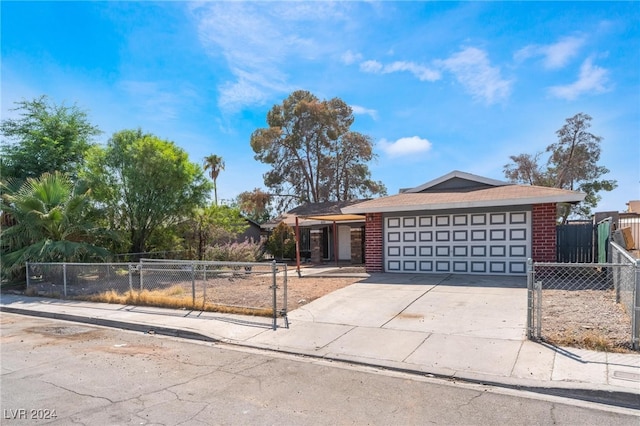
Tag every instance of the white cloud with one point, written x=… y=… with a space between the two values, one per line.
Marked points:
x=421 y=72
x=555 y=55
x=371 y=66
x=405 y=146
x=359 y=110
x=558 y=54
x=349 y=57
x=233 y=95
x=473 y=70
x=258 y=40
x=592 y=79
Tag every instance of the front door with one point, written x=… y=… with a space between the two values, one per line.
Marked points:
x=344 y=242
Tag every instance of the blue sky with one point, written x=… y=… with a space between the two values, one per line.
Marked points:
x=439 y=86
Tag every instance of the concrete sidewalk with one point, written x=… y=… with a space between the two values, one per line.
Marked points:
x=392 y=335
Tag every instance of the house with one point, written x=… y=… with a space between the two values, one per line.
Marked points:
x=252 y=233
x=462 y=223
x=325 y=233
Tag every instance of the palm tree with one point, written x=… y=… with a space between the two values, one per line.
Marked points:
x=215 y=163
x=51 y=223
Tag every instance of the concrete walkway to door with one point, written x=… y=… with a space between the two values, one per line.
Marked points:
x=460 y=327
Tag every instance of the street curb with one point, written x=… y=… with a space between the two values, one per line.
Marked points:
x=607 y=397
x=165 y=331
x=613 y=398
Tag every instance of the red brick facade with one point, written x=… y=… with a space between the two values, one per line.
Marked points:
x=543 y=244
x=357 y=235
x=374 y=243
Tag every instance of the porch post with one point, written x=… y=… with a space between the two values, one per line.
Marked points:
x=298 y=247
x=335 y=242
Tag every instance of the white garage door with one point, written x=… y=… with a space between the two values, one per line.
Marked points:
x=472 y=243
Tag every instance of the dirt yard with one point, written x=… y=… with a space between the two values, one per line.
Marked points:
x=253 y=291
x=305 y=290
x=580 y=318
x=589 y=319
x=241 y=289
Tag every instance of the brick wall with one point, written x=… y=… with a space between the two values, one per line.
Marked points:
x=356 y=246
x=544 y=232
x=374 y=243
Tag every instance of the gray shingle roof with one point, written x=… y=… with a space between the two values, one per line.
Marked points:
x=502 y=194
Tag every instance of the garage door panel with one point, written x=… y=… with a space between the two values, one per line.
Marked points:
x=518 y=267
x=484 y=243
x=426 y=266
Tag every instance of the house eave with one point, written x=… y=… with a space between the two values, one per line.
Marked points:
x=465 y=204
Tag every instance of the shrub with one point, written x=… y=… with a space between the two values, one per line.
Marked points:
x=247 y=251
x=281 y=244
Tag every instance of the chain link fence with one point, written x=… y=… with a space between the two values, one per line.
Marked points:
x=591 y=305
x=626 y=283
x=258 y=289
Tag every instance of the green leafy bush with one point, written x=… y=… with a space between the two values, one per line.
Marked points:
x=281 y=244
x=247 y=251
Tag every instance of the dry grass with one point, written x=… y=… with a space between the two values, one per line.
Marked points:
x=590 y=339
x=34 y=292
x=588 y=319
x=174 y=297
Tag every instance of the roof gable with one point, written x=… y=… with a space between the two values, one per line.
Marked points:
x=324 y=208
x=459 y=190
x=457 y=181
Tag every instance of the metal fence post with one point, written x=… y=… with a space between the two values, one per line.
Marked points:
x=140 y=270
x=617 y=273
x=130 y=267
x=274 y=270
x=204 y=289
x=193 y=285
x=26 y=265
x=285 y=308
x=64 y=279
x=530 y=299
x=635 y=315
x=538 y=304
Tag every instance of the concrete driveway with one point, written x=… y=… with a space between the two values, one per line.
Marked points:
x=464 y=305
x=441 y=323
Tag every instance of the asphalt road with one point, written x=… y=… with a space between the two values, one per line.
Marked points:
x=56 y=372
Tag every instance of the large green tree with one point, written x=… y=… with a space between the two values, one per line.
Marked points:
x=313 y=154
x=52 y=222
x=572 y=164
x=143 y=183
x=44 y=137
